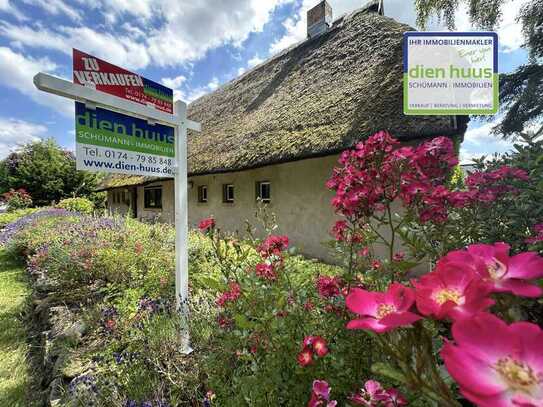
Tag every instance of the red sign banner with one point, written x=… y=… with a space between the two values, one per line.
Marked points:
x=108 y=78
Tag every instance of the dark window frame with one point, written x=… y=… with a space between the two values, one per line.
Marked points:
x=157 y=201
x=228 y=193
x=202 y=194
x=259 y=191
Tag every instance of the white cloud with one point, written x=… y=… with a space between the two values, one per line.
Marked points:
x=180 y=38
x=17 y=72
x=139 y=8
x=482 y=135
x=7 y=7
x=174 y=83
x=14 y=133
x=56 y=7
x=479 y=141
x=118 y=49
x=182 y=92
x=254 y=61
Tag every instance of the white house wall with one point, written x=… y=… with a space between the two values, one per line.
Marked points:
x=299 y=199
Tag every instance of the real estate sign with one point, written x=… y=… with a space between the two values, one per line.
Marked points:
x=108 y=141
x=105 y=77
x=449 y=73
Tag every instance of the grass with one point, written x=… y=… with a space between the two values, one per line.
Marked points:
x=15 y=377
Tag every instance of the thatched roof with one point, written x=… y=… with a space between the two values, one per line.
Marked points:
x=316 y=98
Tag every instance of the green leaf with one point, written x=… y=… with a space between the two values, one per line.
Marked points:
x=210 y=282
x=388 y=371
x=242 y=321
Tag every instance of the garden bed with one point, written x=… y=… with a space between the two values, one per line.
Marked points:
x=270 y=328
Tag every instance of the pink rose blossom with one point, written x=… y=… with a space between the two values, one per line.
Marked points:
x=505 y=274
x=373 y=395
x=495 y=364
x=395 y=399
x=451 y=292
x=320 y=395
x=382 y=312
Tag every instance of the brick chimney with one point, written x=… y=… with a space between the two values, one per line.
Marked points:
x=319 y=18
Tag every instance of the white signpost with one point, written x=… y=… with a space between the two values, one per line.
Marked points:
x=94 y=99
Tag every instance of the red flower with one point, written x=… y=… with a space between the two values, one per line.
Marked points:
x=328 y=286
x=398 y=256
x=339 y=230
x=382 y=312
x=110 y=324
x=364 y=252
x=224 y=322
x=309 y=306
x=266 y=271
x=320 y=346
x=375 y=264
x=273 y=246
x=305 y=357
x=206 y=224
x=231 y=295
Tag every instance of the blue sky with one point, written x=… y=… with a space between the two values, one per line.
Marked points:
x=193 y=46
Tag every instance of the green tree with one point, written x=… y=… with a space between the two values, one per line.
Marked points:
x=47 y=173
x=521 y=92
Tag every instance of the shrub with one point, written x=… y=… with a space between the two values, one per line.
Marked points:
x=81 y=205
x=17 y=199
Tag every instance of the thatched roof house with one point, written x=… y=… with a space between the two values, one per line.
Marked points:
x=314 y=99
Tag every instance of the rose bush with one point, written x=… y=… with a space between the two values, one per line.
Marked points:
x=400 y=198
x=17 y=199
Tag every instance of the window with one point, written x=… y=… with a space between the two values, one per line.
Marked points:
x=202 y=193
x=153 y=198
x=263 y=191
x=228 y=193
x=126 y=197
